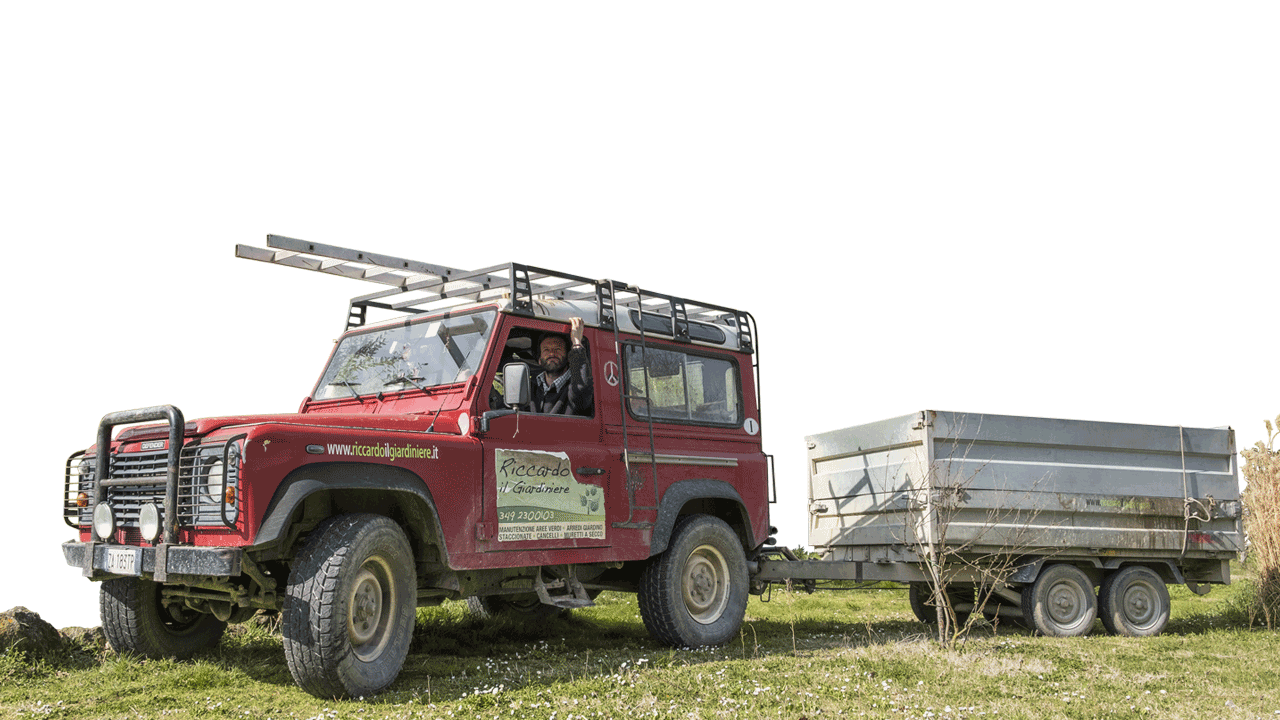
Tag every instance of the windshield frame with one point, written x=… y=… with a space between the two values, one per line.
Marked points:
x=390 y=356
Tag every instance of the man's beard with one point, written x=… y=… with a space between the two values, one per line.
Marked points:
x=554 y=365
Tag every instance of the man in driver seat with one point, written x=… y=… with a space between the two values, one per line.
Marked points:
x=564 y=385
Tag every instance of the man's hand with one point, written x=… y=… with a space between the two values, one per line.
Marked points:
x=576 y=326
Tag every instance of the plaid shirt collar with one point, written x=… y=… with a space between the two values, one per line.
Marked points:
x=559 y=382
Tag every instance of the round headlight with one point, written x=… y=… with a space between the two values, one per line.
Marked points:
x=149 y=521
x=86 y=471
x=104 y=523
x=213 y=481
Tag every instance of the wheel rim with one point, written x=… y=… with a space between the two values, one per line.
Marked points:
x=1140 y=604
x=370 y=609
x=706 y=584
x=1066 y=604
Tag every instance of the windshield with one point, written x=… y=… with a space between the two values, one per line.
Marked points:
x=422 y=354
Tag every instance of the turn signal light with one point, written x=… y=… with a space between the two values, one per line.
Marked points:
x=82 y=500
x=231 y=496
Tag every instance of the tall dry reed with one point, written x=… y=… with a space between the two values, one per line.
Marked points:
x=1262 y=523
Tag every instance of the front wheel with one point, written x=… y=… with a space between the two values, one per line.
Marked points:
x=1060 y=602
x=135 y=620
x=349 y=609
x=695 y=593
x=1134 y=601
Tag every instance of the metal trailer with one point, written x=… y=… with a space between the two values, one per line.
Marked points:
x=1033 y=513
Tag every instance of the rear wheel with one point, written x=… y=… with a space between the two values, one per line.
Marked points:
x=349 y=610
x=1134 y=601
x=1060 y=602
x=135 y=620
x=526 y=605
x=695 y=593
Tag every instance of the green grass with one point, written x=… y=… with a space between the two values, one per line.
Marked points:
x=833 y=654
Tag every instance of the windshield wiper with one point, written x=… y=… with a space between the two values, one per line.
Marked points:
x=350 y=386
x=405 y=379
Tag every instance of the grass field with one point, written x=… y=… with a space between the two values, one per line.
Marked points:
x=831 y=654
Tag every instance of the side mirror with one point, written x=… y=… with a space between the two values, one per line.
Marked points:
x=515 y=393
x=515 y=385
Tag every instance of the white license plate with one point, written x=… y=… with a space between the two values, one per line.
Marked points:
x=122 y=561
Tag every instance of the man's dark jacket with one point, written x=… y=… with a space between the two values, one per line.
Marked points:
x=575 y=398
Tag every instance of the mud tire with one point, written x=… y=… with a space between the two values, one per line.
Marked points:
x=695 y=593
x=349 y=609
x=135 y=621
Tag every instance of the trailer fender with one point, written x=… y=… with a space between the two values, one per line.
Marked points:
x=713 y=497
x=1027 y=574
x=1166 y=569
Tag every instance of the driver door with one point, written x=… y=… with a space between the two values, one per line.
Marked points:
x=546 y=477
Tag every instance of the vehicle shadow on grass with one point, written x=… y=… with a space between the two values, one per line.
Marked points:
x=450 y=661
x=454 y=655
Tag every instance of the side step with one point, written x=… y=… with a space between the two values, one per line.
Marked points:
x=564 y=593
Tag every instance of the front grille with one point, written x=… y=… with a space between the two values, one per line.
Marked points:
x=204 y=485
x=127 y=501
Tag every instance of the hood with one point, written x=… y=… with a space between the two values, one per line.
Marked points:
x=206 y=426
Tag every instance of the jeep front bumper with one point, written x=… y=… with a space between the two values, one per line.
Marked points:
x=101 y=560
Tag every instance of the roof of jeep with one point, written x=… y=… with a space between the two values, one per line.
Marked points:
x=415 y=288
x=720 y=332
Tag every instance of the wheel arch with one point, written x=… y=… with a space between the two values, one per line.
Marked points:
x=701 y=496
x=1097 y=569
x=1165 y=569
x=311 y=493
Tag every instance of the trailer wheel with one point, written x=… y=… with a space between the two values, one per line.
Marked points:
x=350 y=607
x=920 y=593
x=1134 y=601
x=1060 y=602
x=695 y=593
x=136 y=621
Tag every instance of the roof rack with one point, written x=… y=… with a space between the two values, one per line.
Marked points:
x=419 y=287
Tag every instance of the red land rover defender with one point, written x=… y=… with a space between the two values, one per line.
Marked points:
x=414 y=472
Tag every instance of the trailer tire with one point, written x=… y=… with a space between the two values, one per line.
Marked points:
x=1134 y=601
x=350 y=607
x=918 y=593
x=694 y=593
x=135 y=620
x=1060 y=602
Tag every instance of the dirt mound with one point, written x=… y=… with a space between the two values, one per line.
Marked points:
x=23 y=629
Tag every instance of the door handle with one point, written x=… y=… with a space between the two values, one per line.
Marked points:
x=590 y=471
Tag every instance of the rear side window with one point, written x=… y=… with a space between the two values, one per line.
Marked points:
x=675 y=386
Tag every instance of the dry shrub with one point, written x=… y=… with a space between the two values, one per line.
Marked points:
x=1262 y=523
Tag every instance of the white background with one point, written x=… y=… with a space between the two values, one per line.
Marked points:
x=1064 y=210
